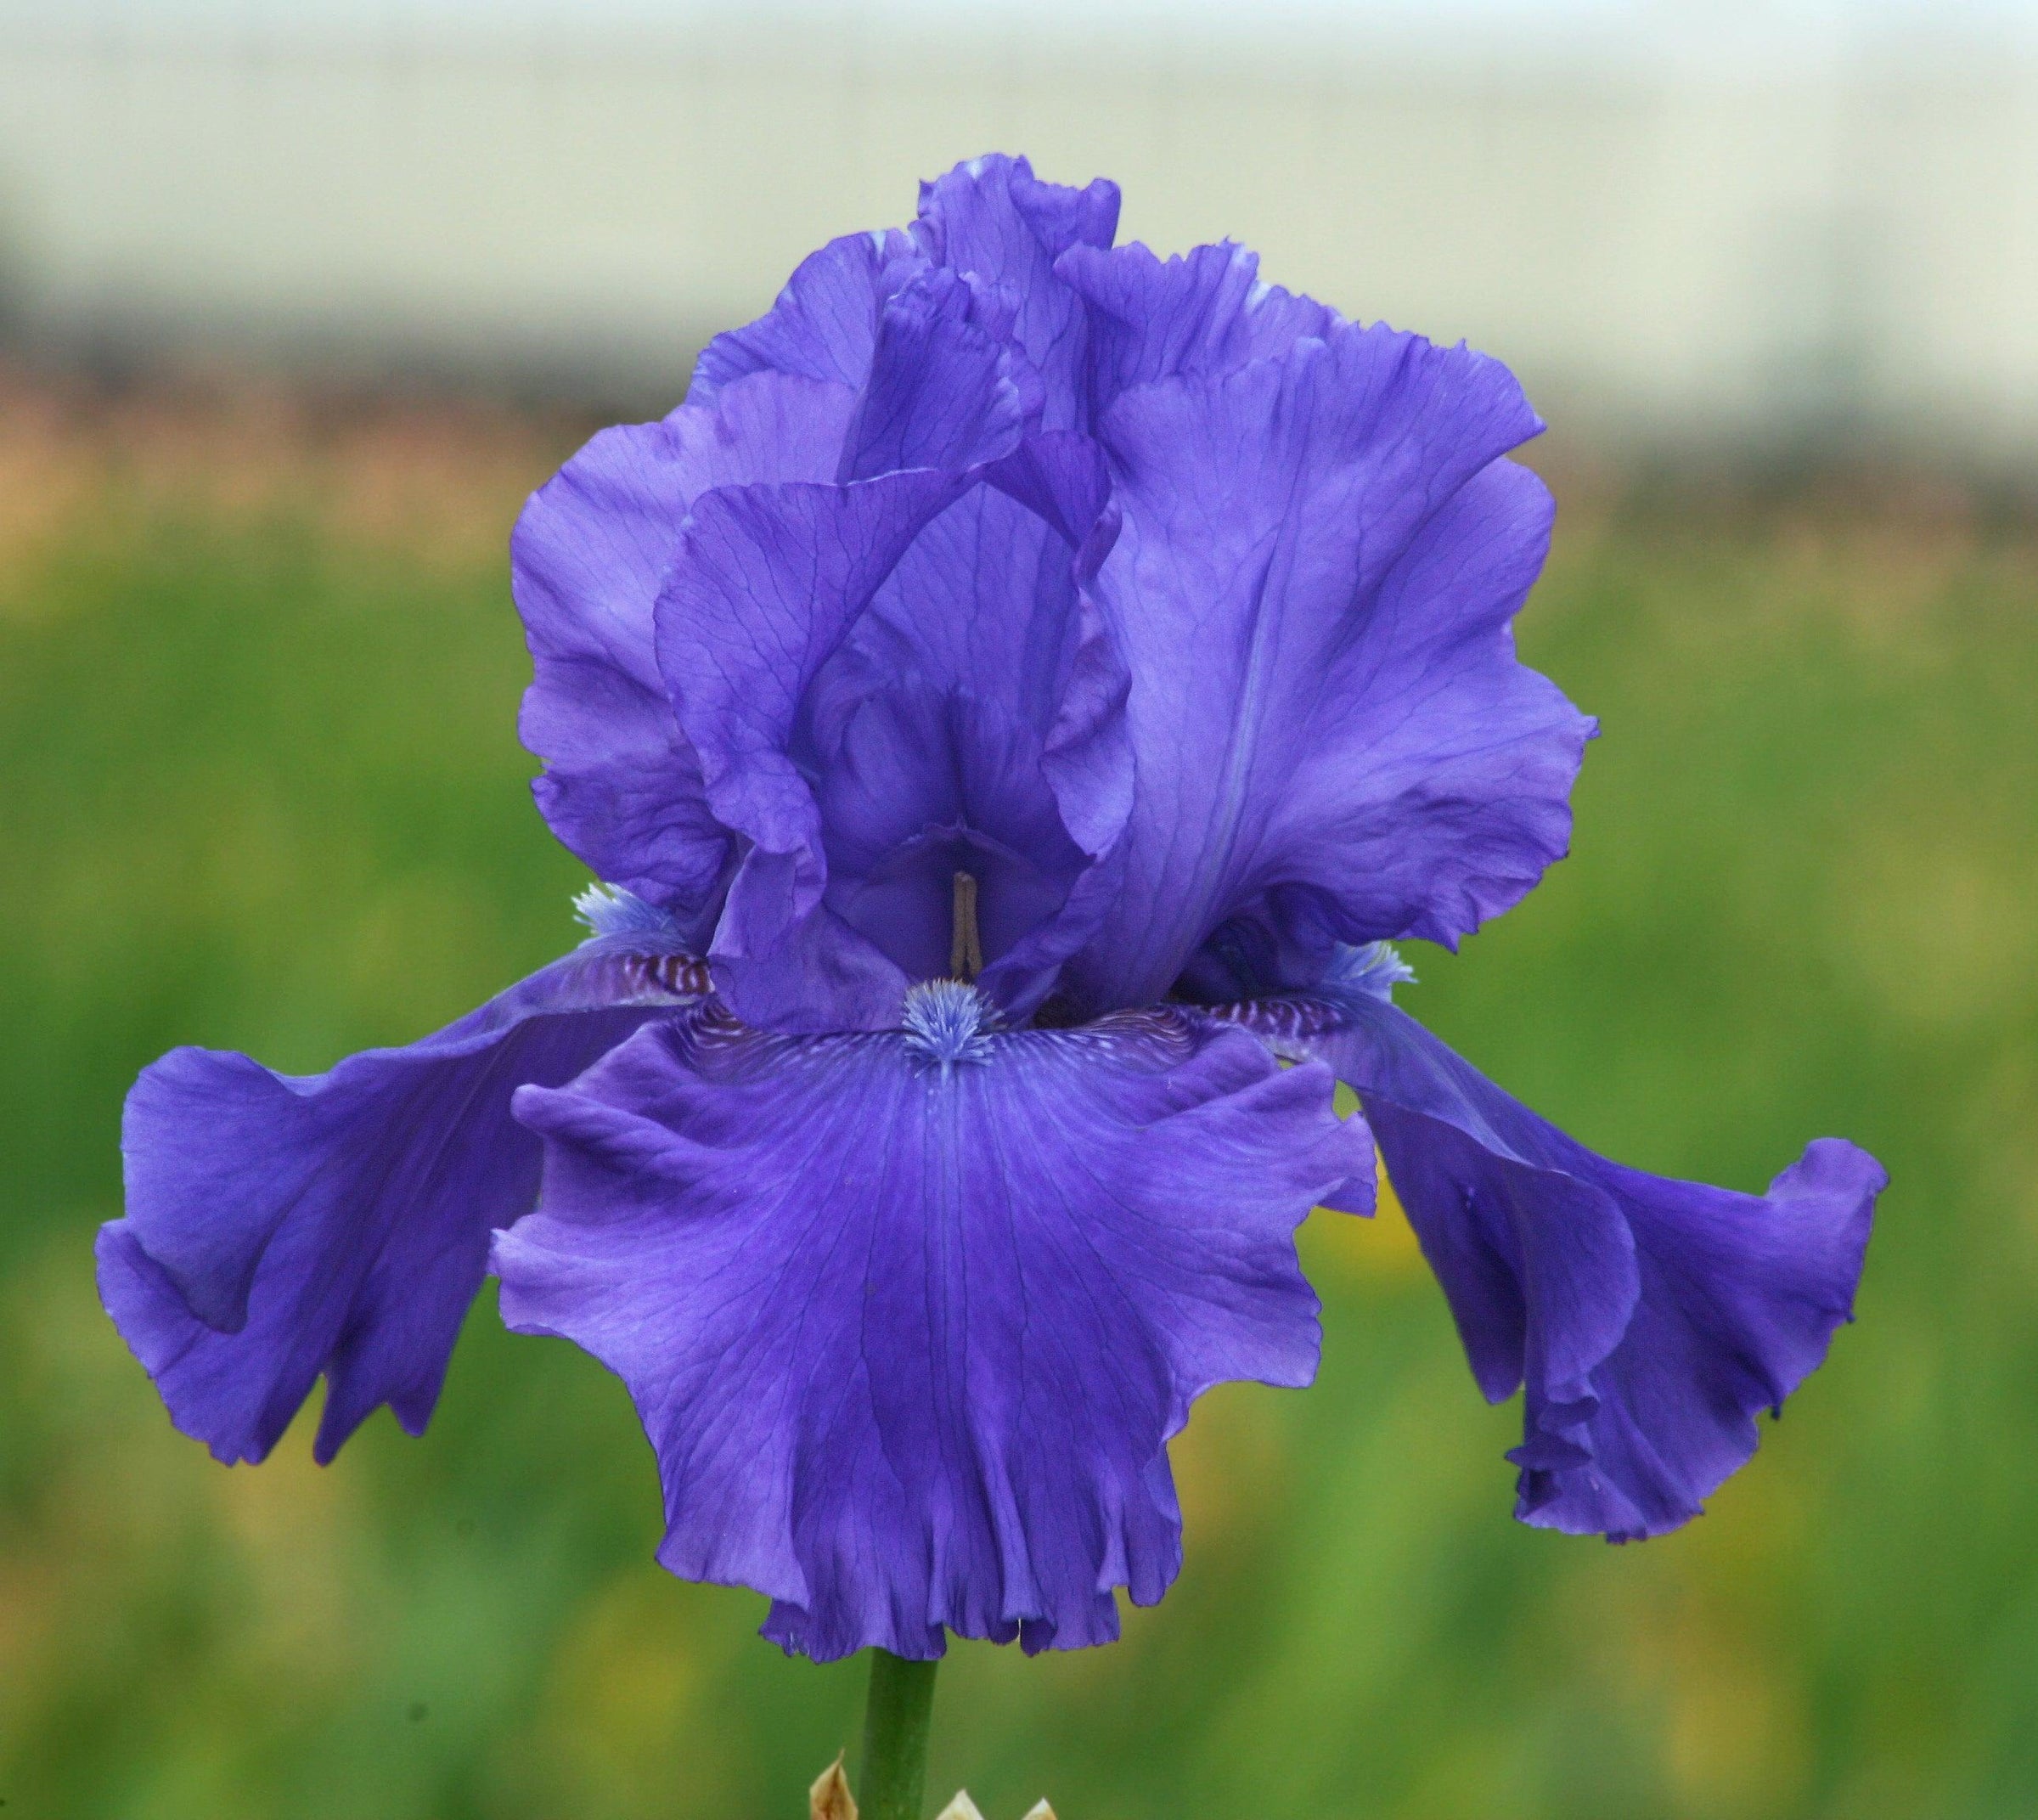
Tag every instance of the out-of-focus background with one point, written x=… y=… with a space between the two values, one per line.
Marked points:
x=297 y=301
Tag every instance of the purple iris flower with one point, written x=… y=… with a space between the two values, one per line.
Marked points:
x=1012 y=703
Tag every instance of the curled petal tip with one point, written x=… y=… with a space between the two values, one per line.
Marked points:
x=1651 y=1319
x=280 y=1228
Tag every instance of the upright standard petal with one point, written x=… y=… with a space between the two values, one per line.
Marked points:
x=767 y=583
x=948 y=387
x=993 y=219
x=825 y=324
x=1319 y=559
x=909 y=1317
x=1650 y=1319
x=280 y=1226
x=889 y=682
x=974 y=721
x=622 y=786
x=1197 y=313
x=989 y=222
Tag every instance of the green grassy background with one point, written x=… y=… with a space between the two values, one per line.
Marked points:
x=259 y=788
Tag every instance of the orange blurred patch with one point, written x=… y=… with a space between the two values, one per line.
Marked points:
x=436 y=478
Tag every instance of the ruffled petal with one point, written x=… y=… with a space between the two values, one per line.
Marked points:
x=1319 y=559
x=948 y=387
x=279 y=1226
x=825 y=324
x=622 y=786
x=909 y=1317
x=989 y=222
x=1650 y=1319
x=767 y=582
x=1201 y=312
x=1014 y=751
x=929 y=353
x=993 y=219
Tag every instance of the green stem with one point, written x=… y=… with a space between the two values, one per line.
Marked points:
x=893 y=1784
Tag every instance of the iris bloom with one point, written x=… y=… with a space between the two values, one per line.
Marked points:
x=1011 y=704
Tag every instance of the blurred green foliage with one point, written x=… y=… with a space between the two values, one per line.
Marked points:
x=259 y=788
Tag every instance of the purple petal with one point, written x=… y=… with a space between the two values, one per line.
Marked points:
x=1651 y=1319
x=946 y=388
x=279 y=1226
x=1319 y=559
x=926 y=782
x=622 y=786
x=1061 y=478
x=1015 y=746
x=993 y=219
x=990 y=222
x=767 y=582
x=825 y=324
x=1201 y=312
x=909 y=1317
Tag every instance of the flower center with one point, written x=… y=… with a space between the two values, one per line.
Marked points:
x=944 y=844
x=948 y=1022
